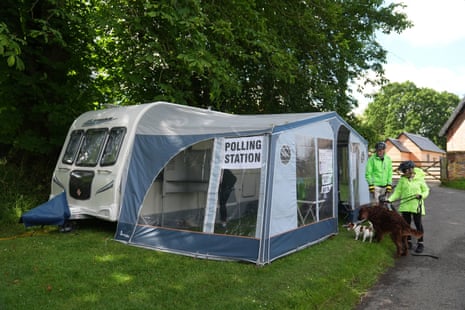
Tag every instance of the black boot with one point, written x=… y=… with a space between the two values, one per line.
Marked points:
x=419 y=248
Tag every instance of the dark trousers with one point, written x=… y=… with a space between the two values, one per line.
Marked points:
x=416 y=220
x=224 y=196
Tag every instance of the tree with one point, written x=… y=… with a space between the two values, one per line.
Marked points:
x=49 y=82
x=10 y=47
x=243 y=56
x=239 y=56
x=403 y=107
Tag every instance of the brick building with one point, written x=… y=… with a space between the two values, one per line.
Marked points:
x=454 y=131
x=409 y=146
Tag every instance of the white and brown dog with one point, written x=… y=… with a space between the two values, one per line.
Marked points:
x=366 y=232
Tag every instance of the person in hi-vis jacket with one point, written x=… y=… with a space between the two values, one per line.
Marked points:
x=378 y=174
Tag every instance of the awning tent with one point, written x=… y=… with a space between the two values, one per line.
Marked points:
x=290 y=171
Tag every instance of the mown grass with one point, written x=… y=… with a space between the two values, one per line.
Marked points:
x=87 y=269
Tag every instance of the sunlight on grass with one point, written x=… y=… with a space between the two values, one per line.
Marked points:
x=109 y=258
x=105 y=258
x=121 y=278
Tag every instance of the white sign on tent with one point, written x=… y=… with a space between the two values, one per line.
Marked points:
x=243 y=153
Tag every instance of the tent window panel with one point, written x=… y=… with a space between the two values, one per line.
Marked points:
x=306 y=179
x=325 y=178
x=183 y=211
x=72 y=147
x=238 y=202
x=189 y=166
x=178 y=197
x=179 y=210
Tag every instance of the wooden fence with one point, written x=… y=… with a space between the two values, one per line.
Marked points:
x=434 y=170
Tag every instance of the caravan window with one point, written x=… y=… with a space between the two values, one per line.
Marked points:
x=91 y=147
x=73 y=146
x=115 y=139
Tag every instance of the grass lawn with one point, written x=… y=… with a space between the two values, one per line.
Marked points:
x=87 y=269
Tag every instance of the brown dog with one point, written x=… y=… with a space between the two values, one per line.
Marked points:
x=385 y=222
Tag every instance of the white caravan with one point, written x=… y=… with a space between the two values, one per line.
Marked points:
x=94 y=160
x=90 y=165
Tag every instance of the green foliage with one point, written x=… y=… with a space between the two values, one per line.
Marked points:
x=22 y=187
x=403 y=107
x=359 y=124
x=458 y=184
x=242 y=56
x=10 y=47
x=40 y=101
x=66 y=57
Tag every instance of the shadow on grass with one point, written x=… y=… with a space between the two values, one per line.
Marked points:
x=13 y=231
x=92 y=224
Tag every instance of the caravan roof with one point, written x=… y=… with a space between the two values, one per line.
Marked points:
x=175 y=119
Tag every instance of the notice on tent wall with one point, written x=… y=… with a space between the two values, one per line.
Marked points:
x=326 y=160
x=326 y=169
x=243 y=153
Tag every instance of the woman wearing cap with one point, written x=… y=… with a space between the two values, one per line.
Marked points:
x=411 y=190
x=378 y=173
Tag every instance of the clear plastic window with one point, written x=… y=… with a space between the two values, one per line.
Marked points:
x=178 y=197
x=326 y=179
x=238 y=202
x=314 y=181
x=306 y=179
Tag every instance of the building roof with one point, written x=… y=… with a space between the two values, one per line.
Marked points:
x=423 y=143
x=398 y=145
x=458 y=110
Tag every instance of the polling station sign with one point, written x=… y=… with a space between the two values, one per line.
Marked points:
x=243 y=153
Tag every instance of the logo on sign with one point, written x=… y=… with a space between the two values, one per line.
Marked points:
x=285 y=154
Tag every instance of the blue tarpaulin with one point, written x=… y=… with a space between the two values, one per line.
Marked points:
x=53 y=212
